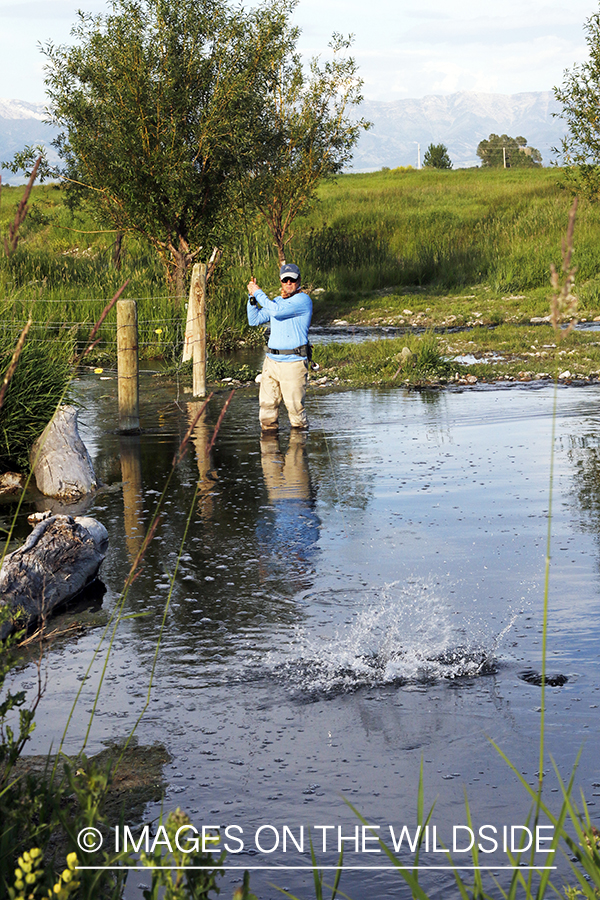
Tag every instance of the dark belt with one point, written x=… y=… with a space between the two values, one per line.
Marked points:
x=297 y=351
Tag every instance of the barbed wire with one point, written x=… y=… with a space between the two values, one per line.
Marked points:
x=59 y=323
x=104 y=300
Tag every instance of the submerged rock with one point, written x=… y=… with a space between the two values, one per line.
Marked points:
x=59 y=558
x=533 y=677
x=61 y=464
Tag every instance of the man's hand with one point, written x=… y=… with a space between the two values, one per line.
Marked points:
x=252 y=286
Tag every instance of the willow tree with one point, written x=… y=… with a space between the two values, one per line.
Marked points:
x=579 y=95
x=157 y=104
x=308 y=132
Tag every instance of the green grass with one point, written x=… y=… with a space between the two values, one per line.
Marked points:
x=383 y=362
x=40 y=380
x=508 y=351
x=444 y=246
x=443 y=229
x=407 y=248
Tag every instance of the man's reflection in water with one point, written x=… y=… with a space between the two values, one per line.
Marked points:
x=289 y=533
x=206 y=472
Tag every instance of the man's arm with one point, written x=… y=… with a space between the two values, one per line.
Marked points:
x=256 y=300
x=286 y=308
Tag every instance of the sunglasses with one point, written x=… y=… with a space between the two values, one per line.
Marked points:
x=289 y=280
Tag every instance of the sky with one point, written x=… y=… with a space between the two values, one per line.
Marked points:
x=404 y=49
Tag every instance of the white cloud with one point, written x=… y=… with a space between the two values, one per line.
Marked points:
x=403 y=50
x=406 y=51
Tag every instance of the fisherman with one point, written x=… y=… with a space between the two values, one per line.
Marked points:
x=285 y=369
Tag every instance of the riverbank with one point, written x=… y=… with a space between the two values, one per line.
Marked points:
x=413 y=249
x=360 y=356
x=503 y=353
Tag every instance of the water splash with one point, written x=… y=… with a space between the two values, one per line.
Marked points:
x=406 y=634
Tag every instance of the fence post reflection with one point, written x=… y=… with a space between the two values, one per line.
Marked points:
x=206 y=473
x=133 y=503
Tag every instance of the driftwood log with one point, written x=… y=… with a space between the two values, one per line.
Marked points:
x=59 y=558
x=61 y=464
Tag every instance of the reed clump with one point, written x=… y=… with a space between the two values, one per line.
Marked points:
x=36 y=385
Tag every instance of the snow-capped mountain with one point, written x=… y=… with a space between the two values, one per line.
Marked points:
x=22 y=124
x=459 y=121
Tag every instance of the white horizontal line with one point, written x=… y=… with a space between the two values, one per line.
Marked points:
x=141 y=868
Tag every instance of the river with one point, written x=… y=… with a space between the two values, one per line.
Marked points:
x=349 y=606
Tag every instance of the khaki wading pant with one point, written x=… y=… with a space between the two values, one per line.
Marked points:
x=287 y=381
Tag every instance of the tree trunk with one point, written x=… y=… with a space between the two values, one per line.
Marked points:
x=117 y=248
x=180 y=260
x=59 y=558
x=278 y=232
x=176 y=275
x=180 y=280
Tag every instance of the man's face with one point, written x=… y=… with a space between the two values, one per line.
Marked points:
x=289 y=286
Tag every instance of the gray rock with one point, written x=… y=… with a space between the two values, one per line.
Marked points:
x=59 y=558
x=61 y=464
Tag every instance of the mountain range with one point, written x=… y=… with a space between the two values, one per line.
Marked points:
x=21 y=123
x=401 y=130
x=460 y=121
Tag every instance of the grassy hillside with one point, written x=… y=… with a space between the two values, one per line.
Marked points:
x=402 y=247
x=447 y=244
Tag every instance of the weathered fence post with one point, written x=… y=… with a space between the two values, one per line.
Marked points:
x=195 y=330
x=127 y=366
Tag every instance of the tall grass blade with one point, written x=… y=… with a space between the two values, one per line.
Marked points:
x=14 y=361
x=183 y=446
x=103 y=316
x=211 y=443
x=410 y=877
x=21 y=213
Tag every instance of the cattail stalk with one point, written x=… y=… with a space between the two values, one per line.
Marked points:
x=210 y=444
x=182 y=450
x=103 y=315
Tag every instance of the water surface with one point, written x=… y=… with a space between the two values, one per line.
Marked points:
x=349 y=605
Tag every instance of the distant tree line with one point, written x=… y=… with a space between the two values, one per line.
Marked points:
x=498 y=151
x=502 y=151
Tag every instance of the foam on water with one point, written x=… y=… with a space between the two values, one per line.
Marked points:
x=405 y=634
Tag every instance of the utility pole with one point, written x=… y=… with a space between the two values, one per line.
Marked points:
x=418 y=154
x=504 y=156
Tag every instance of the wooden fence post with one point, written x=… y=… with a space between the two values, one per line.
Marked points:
x=127 y=366
x=195 y=345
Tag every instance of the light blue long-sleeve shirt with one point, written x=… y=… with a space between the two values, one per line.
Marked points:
x=290 y=320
